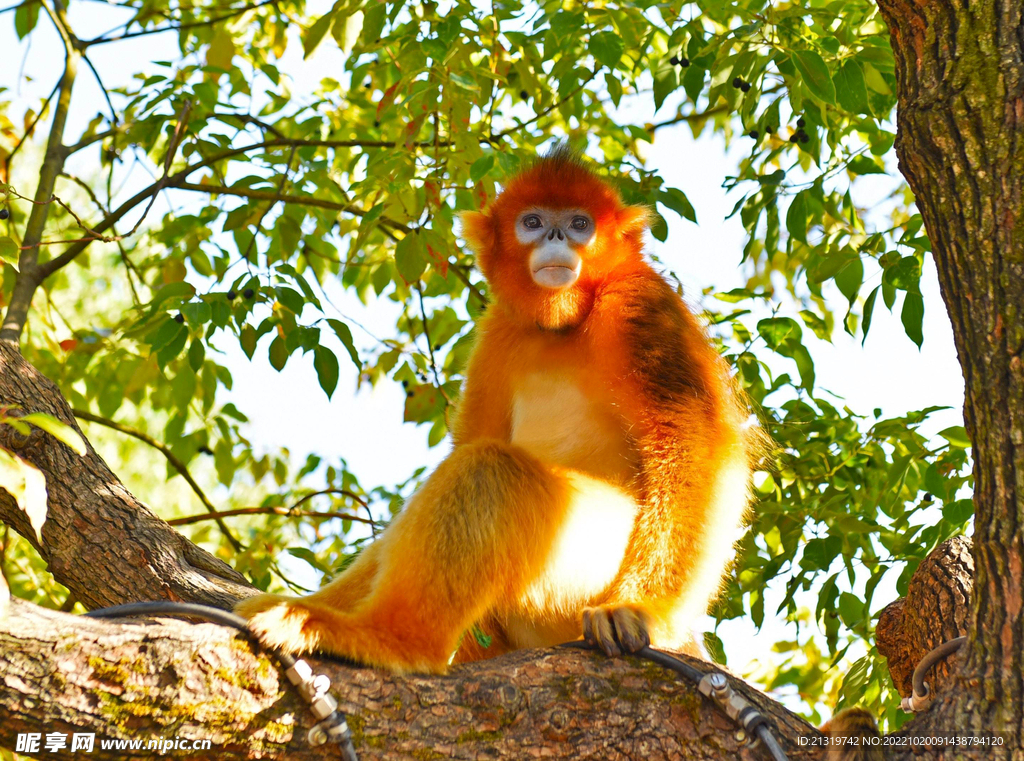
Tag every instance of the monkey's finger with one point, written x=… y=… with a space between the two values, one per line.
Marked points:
x=630 y=628
x=598 y=630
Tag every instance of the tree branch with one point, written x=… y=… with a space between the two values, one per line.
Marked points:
x=147 y=681
x=29 y=276
x=289 y=512
x=99 y=540
x=104 y=38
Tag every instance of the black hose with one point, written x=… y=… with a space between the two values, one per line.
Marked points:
x=749 y=718
x=338 y=727
x=944 y=650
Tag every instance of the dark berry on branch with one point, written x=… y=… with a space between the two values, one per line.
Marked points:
x=801 y=122
x=745 y=87
x=248 y=293
x=231 y=295
x=794 y=138
x=755 y=134
x=437 y=347
x=804 y=138
x=4 y=214
x=368 y=84
x=674 y=60
x=524 y=95
x=405 y=384
x=684 y=62
x=769 y=129
x=376 y=122
x=179 y=317
x=737 y=83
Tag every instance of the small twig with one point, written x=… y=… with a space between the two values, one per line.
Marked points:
x=175 y=463
x=289 y=512
x=103 y=38
x=430 y=347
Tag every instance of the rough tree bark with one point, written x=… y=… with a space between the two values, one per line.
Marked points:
x=934 y=611
x=960 y=143
x=95 y=529
x=175 y=680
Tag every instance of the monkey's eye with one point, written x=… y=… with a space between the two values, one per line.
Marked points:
x=580 y=223
x=532 y=222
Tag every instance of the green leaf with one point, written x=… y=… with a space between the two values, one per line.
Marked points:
x=196 y=355
x=481 y=167
x=665 y=81
x=796 y=217
x=607 y=48
x=815 y=75
x=346 y=29
x=676 y=200
x=912 y=317
x=409 y=258
x=60 y=431
x=9 y=251
x=25 y=18
x=278 y=353
x=345 y=336
x=27 y=485
x=422 y=403
x=851 y=92
x=849 y=278
x=865 y=165
x=851 y=609
x=905 y=274
x=247 y=338
x=957 y=436
x=776 y=331
x=316 y=33
x=326 y=365
x=958 y=512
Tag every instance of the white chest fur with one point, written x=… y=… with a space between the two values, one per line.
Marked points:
x=554 y=419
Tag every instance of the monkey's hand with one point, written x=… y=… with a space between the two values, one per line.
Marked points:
x=616 y=628
x=288 y=623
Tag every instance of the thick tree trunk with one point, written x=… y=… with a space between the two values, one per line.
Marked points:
x=960 y=142
x=173 y=680
x=98 y=540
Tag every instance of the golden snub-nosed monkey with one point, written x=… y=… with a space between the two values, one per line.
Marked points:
x=600 y=464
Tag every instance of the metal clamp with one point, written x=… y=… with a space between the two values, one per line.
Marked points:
x=315 y=689
x=716 y=686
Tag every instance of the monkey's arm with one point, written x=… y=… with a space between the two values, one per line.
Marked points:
x=694 y=466
x=484 y=409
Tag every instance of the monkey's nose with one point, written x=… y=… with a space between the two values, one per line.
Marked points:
x=556 y=231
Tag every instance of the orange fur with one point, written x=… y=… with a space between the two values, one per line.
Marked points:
x=599 y=471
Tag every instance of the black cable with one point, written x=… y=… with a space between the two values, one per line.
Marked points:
x=919 y=697
x=331 y=721
x=715 y=685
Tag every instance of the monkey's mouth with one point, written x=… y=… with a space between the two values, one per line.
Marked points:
x=555 y=276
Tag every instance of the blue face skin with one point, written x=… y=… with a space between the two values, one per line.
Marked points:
x=556 y=235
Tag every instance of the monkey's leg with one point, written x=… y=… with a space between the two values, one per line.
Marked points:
x=474 y=535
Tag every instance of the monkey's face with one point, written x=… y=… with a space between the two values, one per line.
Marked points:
x=555 y=239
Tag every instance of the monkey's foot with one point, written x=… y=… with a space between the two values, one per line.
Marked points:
x=287 y=623
x=616 y=628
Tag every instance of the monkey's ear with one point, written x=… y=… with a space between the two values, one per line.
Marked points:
x=633 y=220
x=477 y=230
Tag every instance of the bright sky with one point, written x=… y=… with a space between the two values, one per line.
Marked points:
x=366 y=428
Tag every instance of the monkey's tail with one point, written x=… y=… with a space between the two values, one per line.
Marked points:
x=853 y=736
